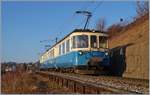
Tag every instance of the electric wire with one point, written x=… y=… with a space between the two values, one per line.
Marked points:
x=62 y=27
x=98 y=5
x=92 y=10
x=85 y=7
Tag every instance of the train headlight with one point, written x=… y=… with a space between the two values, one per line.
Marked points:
x=106 y=53
x=80 y=52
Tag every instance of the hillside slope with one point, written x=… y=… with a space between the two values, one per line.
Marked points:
x=137 y=53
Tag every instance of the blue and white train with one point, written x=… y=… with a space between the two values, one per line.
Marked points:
x=81 y=49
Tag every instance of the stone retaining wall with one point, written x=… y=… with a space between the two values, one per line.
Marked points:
x=137 y=53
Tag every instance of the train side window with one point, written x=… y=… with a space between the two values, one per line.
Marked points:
x=59 y=49
x=67 y=46
x=63 y=48
x=49 y=54
x=93 y=41
x=52 y=53
x=71 y=44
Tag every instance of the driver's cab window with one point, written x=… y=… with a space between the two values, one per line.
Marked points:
x=93 y=42
x=102 y=42
x=80 y=41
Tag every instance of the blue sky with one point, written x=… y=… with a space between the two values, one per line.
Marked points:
x=25 y=24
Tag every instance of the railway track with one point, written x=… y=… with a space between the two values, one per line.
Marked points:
x=95 y=84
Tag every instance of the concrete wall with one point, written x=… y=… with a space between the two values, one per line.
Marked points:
x=136 y=40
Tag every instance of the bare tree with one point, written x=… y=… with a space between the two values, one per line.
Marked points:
x=142 y=8
x=101 y=24
x=114 y=29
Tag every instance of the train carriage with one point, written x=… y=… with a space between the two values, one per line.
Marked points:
x=81 y=49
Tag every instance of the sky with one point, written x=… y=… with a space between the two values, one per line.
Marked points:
x=26 y=24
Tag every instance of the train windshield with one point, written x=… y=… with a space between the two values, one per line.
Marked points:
x=102 y=42
x=80 y=41
x=93 y=41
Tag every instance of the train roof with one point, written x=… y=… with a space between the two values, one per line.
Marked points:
x=74 y=31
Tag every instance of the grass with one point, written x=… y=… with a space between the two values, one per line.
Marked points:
x=54 y=85
x=20 y=82
x=17 y=82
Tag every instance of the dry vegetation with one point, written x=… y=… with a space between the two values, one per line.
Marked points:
x=17 y=82
x=142 y=10
x=118 y=29
x=28 y=83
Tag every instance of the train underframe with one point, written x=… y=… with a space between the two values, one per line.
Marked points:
x=93 y=67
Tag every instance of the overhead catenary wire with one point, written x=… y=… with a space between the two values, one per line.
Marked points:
x=92 y=10
x=87 y=5
x=98 y=5
x=84 y=7
x=62 y=27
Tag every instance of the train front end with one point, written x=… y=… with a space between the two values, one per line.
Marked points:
x=91 y=50
x=94 y=58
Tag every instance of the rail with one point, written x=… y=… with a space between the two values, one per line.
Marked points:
x=79 y=85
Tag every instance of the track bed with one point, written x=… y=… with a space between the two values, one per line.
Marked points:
x=97 y=84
